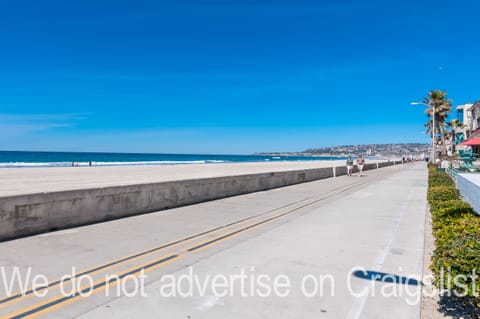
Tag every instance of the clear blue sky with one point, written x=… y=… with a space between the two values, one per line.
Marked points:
x=228 y=76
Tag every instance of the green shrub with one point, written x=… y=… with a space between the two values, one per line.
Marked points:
x=447 y=228
x=457 y=238
x=437 y=194
x=440 y=179
x=457 y=253
x=451 y=208
x=452 y=203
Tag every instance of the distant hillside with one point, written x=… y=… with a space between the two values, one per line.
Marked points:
x=372 y=149
x=380 y=150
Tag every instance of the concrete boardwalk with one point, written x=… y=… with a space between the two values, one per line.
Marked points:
x=322 y=228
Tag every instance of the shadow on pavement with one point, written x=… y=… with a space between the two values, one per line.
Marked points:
x=384 y=277
x=458 y=308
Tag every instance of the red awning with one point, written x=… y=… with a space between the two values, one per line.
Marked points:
x=472 y=141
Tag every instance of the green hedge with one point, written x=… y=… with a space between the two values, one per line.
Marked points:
x=457 y=238
x=451 y=208
x=440 y=179
x=438 y=194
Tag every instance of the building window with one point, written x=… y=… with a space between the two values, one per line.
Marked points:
x=460 y=115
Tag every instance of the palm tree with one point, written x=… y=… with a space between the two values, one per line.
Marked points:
x=438 y=100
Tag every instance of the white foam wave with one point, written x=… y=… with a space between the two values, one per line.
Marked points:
x=24 y=164
x=83 y=164
x=143 y=163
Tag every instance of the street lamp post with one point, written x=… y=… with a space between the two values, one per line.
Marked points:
x=433 y=126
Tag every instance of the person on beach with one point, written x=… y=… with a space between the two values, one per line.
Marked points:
x=349 y=166
x=360 y=163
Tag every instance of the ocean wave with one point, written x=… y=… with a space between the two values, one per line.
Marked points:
x=145 y=163
x=84 y=164
x=23 y=164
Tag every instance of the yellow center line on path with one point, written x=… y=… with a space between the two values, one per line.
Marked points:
x=100 y=285
x=61 y=301
x=17 y=297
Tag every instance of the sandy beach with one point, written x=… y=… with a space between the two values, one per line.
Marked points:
x=16 y=181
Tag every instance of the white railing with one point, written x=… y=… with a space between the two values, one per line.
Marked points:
x=452 y=172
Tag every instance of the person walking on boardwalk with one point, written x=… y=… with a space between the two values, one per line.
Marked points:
x=349 y=166
x=360 y=163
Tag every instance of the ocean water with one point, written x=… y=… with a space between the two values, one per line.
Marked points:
x=59 y=159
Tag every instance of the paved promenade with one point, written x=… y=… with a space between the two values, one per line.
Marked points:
x=353 y=234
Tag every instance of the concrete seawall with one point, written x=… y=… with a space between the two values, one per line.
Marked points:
x=29 y=214
x=469 y=186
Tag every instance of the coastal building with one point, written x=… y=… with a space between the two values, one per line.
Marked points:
x=475 y=114
x=464 y=115
x=470 y=113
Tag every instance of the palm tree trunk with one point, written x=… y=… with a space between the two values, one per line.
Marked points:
x=454 y=140
x=442 y=138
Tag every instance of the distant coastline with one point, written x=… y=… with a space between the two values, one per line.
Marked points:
x=395 y=150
